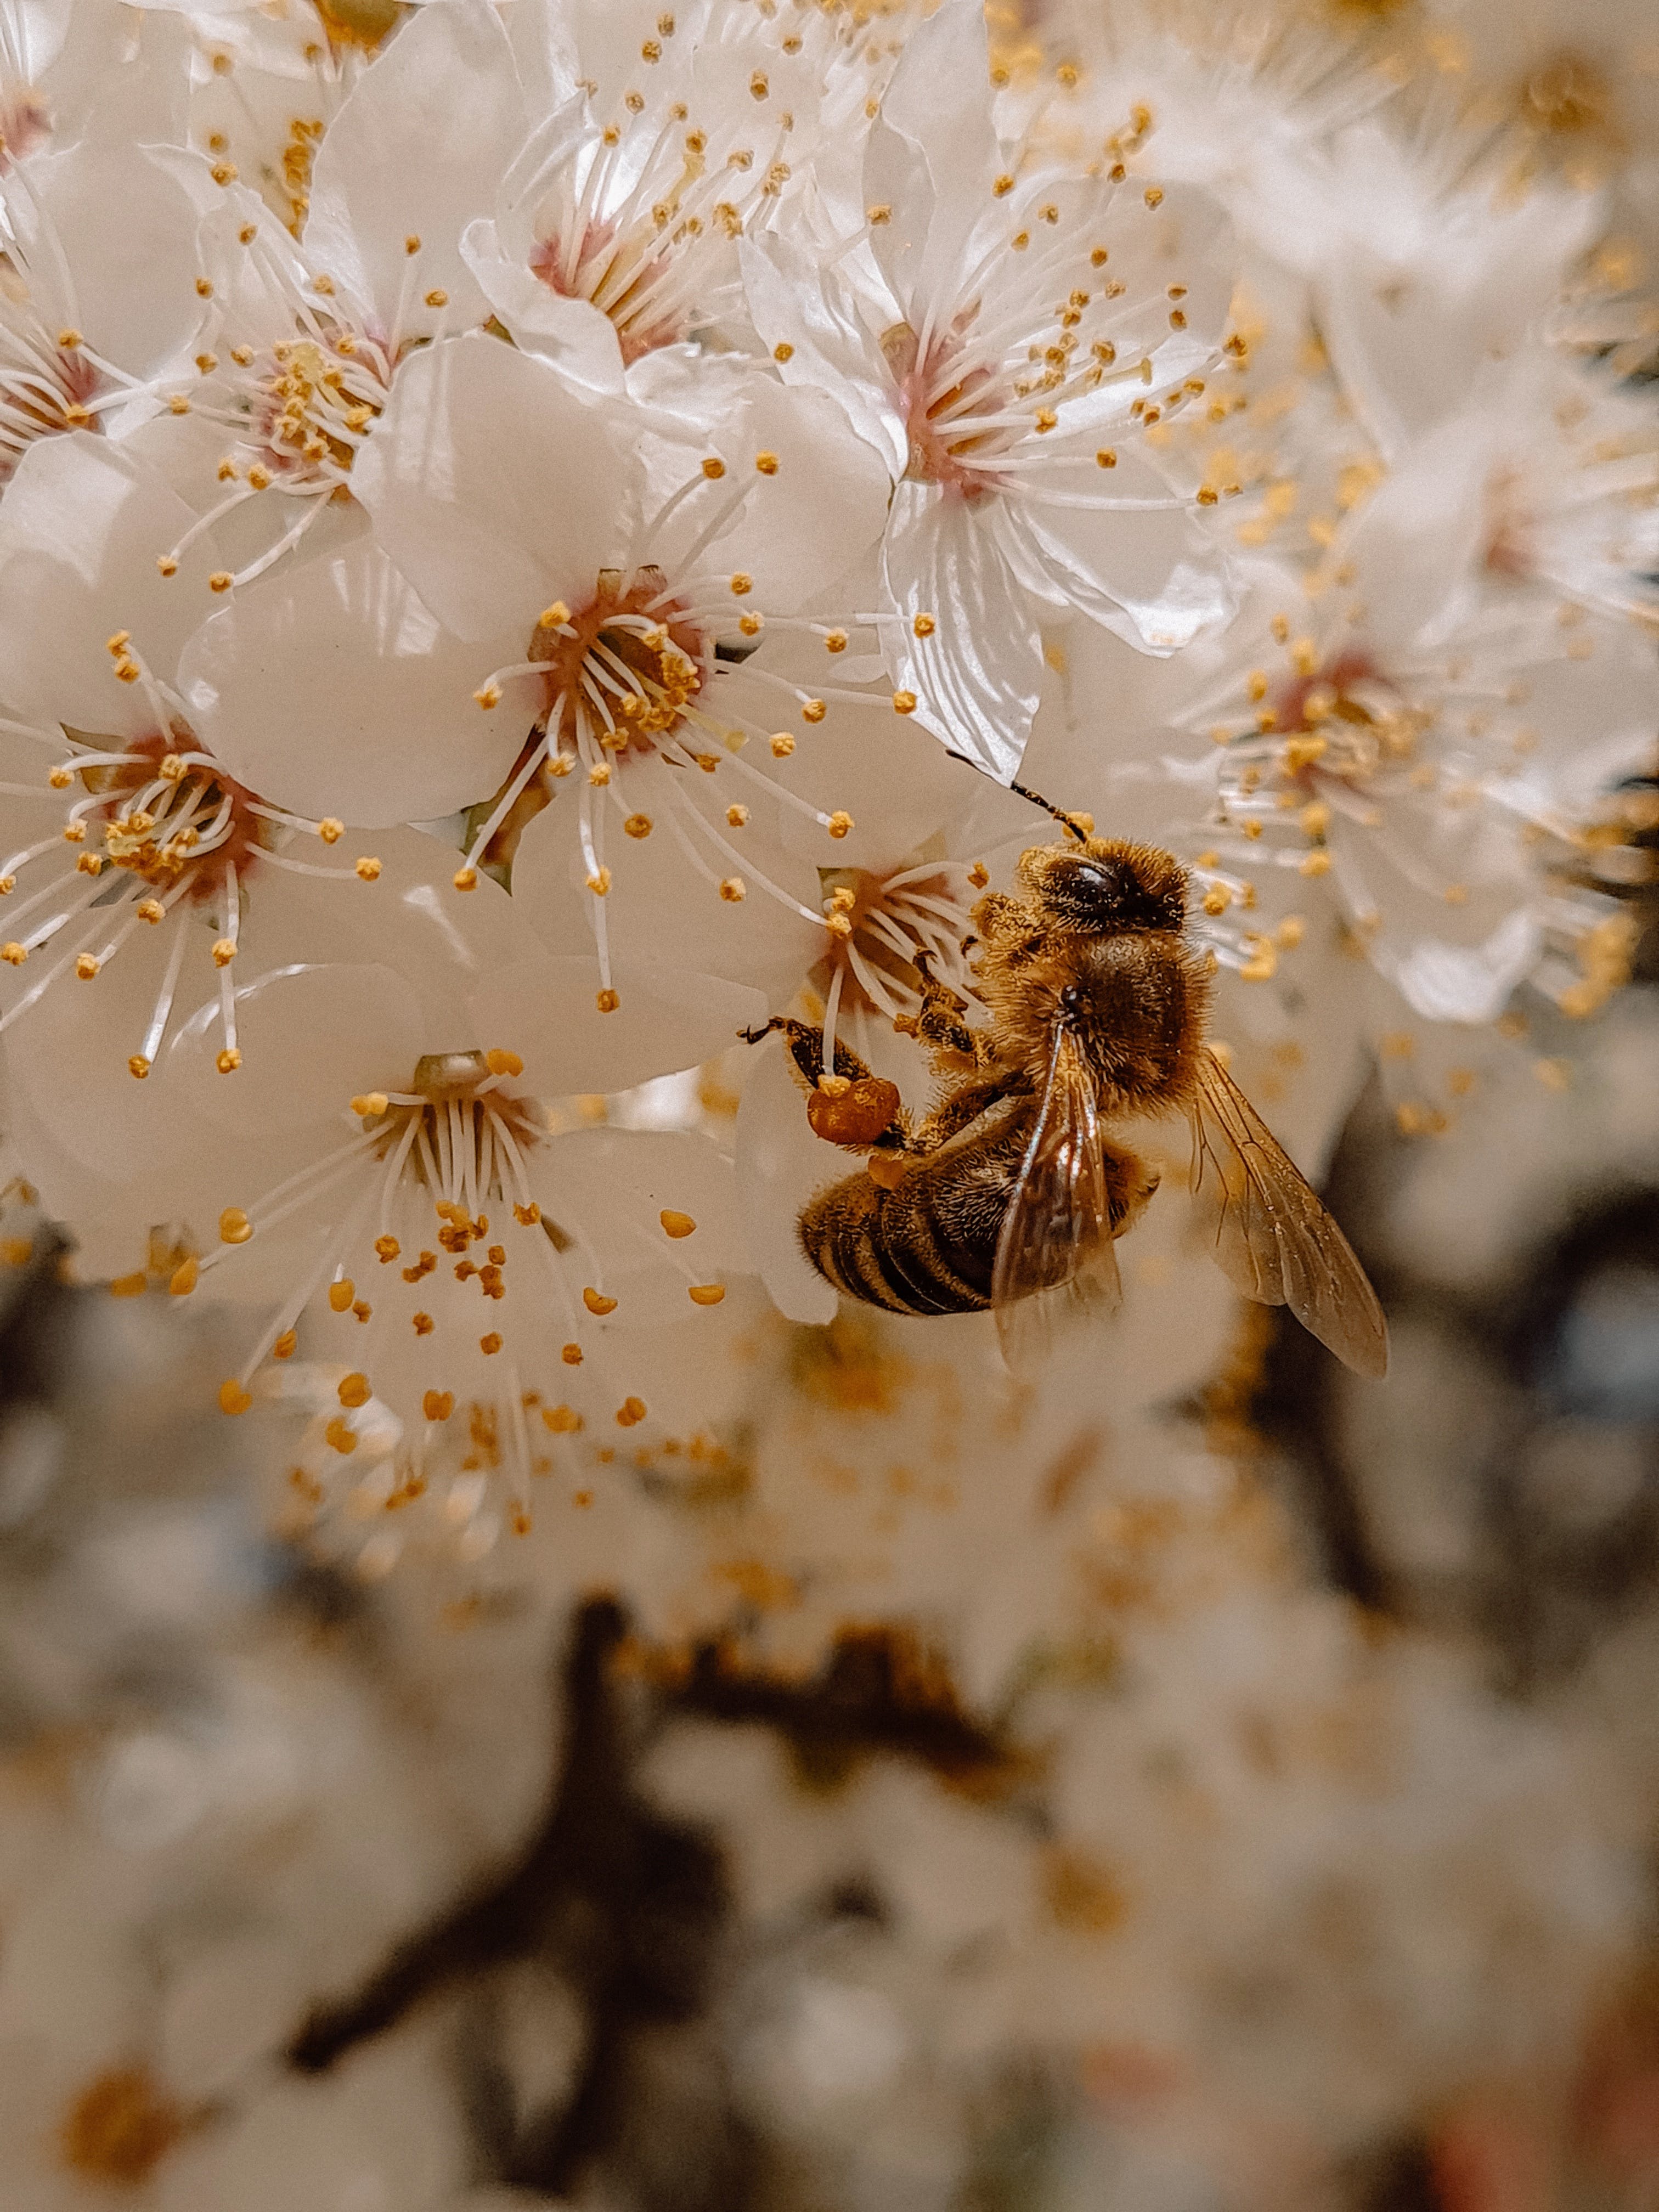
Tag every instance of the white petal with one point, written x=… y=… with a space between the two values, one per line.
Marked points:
x=416 y=151
x=1156 y=578
x=332 y=689
x=669 y=1019
x=496 y=486
x=572 y=334
x=796 y=303
x=938 y=107
x=612 y=1187
x=133 y=293
x=81 y=526
x=978 y=677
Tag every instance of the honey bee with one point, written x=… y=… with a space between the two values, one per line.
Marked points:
x=1009 y=1193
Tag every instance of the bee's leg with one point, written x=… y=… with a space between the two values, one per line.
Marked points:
x=1129 y=1184
x=854 y=1108
x=940 y=1027
x=805 y=1044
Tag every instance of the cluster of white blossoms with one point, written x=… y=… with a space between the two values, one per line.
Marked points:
x=535 y=536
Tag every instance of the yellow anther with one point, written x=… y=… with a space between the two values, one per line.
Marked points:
x=553 y=617
x=734 y=891
x=167 y=564
x=834 y=640
x=713 y=468
x=69 y=339
x=736 y=817
x=412 y=243
x=923 y=626
x=221 y=580
x=600 y=775
x=1003 y=185
x=331 y=831
x=527 y=1216
x=438 y=1405
x=1216 y=900
x=228 y=1061
x=488 y=696
x=134 y=1286
x=86 y=966
x=638 y=825
x=367 y=868
x=783 y=351
x=782 y=744
x=630 y=1413
x=705 y=1294
x=571 y=1354
x=607 y=1002
x=742 y=585
x=1314 y=864
x=838 y=925
x=564 y=1420
x=1046 y=419
x=1206 y=496
x=341 y=1435
x=813 y=710
x=1153 y=196
x=138 y=1066
x=177 y=404
x=437 y=297
x=1292 y=930
x=369 y=1102
x=182 y=1281
x=353 y=1391
x=597 y=1303
x=223 y=952
x=234 y=1227
x=13 y=953
x=90 y=863
x=675 y=1224
x=466 y=879
x=233 y=1398
x=750 y=623
x=341 y=1294
x=500 y=1062
x=767 y=464
x=284 y=1346
x=904 y=702
x=839 y=822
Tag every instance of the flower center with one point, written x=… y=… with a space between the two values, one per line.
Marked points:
x=47 y=382
x=310 y=403
x=623 y=669
x=952 y=407
x=173 y=818
x=877 y=925
x=24 y=124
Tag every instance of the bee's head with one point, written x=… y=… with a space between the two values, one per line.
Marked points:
x=1108 y=886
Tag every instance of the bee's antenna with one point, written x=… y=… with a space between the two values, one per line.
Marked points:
x=1049 y=807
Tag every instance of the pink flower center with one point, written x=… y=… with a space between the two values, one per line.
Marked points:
x=951 y=406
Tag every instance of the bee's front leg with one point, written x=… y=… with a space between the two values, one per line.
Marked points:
x=850 y=1107
x=939 y=1026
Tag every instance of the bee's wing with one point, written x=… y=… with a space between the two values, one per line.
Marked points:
x=1270 y=1235
x=1054 y=1257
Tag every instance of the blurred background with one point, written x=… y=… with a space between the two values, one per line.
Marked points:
x=1210 y=1784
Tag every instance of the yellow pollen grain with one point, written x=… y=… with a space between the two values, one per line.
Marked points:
x=599 y=882
x=640 y=825
x=813 y=710
x=782 y=744
x=904 y=702
x=553 y=617
x=437 y=298
x=564 y=1420
x=675 y=1224
x=138 y=1066
x=500 y=1062
x=597 y=1303
x=341 y=1434
x=369 y=1102
x=166 y=563
x=742 y=584
x=223 y=952
x=571 y=1354
x=331 y=831
x=488 y=696
x=341 y=1294
x=233 y=1398
x=489 y=1345
x=367 y=869
x=783 y=351
x=705 y=1294
x=1107 y=456
x=86 y=966
x=221 y=580
x=353 y=1391
x=600 y=775
x=630 y=1413
x=734 y=891
x=386 y=1249
x=134 y=1286
x=182 y=1281
x=438 y=1405
x=607 y=1002
x=839 y=822
x=767 y=464
x=713 y=468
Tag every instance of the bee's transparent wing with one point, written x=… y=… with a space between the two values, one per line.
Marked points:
x=1269 y=1233
x=1055 y=1259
